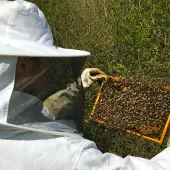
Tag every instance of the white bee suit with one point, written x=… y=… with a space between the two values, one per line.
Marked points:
x=25 y=148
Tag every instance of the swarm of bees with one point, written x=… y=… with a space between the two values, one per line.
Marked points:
x=131 y=104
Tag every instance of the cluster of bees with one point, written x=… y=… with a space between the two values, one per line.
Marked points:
x=131 y=104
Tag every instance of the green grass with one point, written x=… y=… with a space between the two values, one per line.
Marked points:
x=127 y=38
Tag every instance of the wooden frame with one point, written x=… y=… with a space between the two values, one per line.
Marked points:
x=160 y=141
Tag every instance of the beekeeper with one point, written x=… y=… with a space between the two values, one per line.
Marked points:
x=28 y=138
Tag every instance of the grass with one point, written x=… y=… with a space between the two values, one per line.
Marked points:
x=127 y=38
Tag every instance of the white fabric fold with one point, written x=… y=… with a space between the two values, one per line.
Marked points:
x=7 y=77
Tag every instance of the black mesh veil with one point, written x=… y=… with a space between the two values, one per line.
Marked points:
x=48 y=94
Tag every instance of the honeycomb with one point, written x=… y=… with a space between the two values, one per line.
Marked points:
x=132 y=104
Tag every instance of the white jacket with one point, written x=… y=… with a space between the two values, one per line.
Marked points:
x=25 y=150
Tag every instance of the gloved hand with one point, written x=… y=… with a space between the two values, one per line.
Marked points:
x=91 y=75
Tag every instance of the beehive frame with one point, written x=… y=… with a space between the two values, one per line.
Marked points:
x=160 y=141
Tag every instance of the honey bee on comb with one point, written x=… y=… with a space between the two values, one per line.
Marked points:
x=133 y=104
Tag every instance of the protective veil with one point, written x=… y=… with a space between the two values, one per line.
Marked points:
x=34 y=138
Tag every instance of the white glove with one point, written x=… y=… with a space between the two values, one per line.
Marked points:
x=91 y=75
